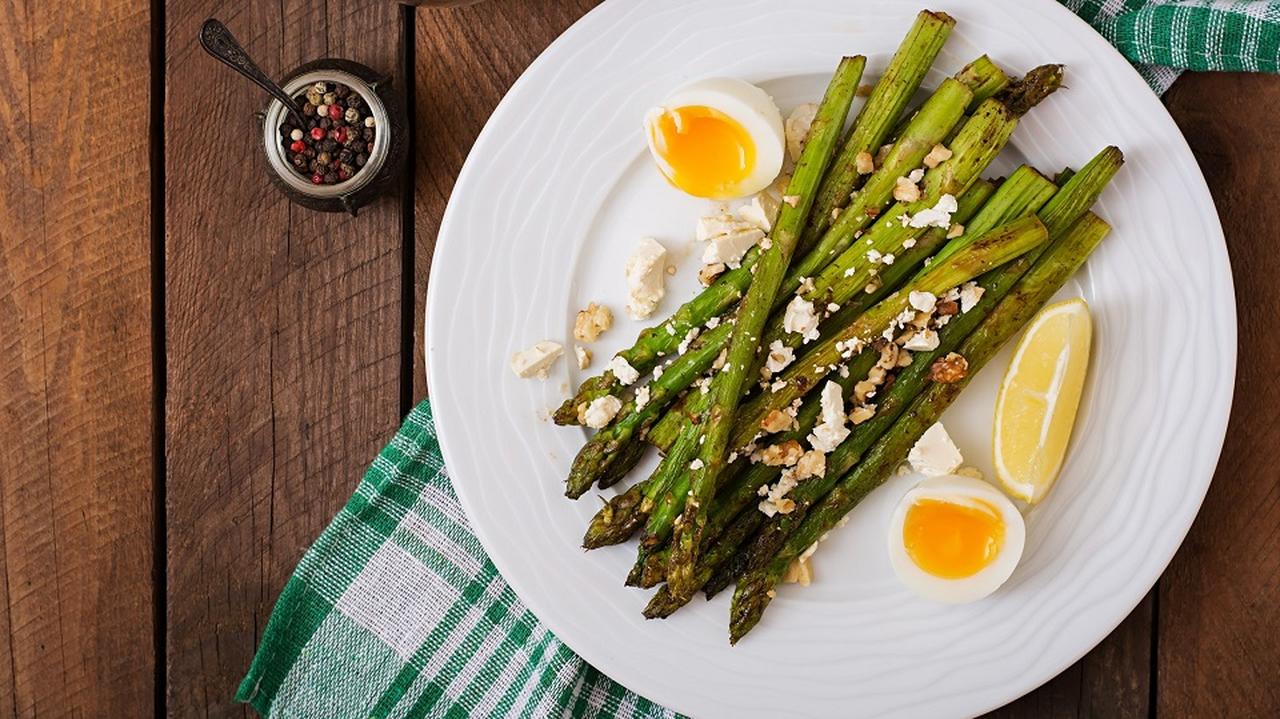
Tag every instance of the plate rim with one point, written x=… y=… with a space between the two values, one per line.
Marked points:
x=1217 y=423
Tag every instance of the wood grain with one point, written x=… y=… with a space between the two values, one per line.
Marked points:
x=283 y=338
x=76 y=480
x=1219 y=605
x=466 y=58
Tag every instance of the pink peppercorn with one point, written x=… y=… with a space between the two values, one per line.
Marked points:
x=335 y=112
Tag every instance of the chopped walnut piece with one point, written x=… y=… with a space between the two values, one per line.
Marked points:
x=946 y=308
x=872 y=212
x=798 y=572
x=584 y=356
x=776 y=421
x=811 y=464
x=863 y=163
x=955 y=230
x=864 y=90
x=783 y=454
x=904 y=190
x=889 y=355
x=785 y=505
x=862 y=413
x=949 y=369
x=591 y=322
x=709 y=273
x=939 y=154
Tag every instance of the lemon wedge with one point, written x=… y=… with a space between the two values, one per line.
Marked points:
x=1038 y=398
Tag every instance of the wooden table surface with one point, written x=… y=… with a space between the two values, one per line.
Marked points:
x=195 y=373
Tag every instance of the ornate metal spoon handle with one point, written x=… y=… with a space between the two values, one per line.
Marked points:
x=218 y=41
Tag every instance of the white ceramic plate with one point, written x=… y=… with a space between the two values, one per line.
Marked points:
x=556 y=193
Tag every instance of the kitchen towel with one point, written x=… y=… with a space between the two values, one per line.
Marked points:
x=396 y=611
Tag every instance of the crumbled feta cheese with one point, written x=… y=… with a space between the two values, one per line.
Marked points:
x=923 y=301
x=793 y=200
x=645 y=278
x=591 y=322
x=832 y=307
x=934 y=453
x=623 y=371
x=908 y=243
x=778 y=386
x=925 y=340
x=779 y=357
x=601 y=411
x=730 y=248
x=830 y=431
x=584 y=356
x=874 y=256
x=850 y=272
x=796 y=129
x=970 y=293
x=801 y=319
x=688 y=339
x=760 y=213
x=712 y=323
x=888 y=259
x=720 y=359
x=537 y=360
x=937 y=216
x=806 y=286
x=696 y=465
x=916 y=175
x=642 y=397
x=710 y=227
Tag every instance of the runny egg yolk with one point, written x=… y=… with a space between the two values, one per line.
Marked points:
x=951 y=540
x=703 y=151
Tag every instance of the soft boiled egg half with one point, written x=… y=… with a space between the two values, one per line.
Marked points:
x=955 y=539
x=718 y=138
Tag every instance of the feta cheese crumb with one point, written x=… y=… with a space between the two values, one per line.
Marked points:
x=696 y=465
x=688 y=339
x=937 y=216
x=796 y=129
x=908 y=243
x=712 y=323
x=623 y=371
x=916 y=175
x=601 y=411
x=874 y=256
x=970 y=293
x=729 y=248
x=779 y=357
x=925 y=340
x=537 y=360
x=923 y=301
x=830 y=431
x=792 y=200
x=584 y=356
x=760 y=212
x=642 y=397
x=801 y=319
x=709 y=273
x=934 y=453
x=645 y=278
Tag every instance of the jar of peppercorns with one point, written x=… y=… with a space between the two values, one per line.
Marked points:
x=349 y=144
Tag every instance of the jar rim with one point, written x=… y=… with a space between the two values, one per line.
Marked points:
x=274 y=118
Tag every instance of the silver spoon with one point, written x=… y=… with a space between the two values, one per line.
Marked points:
x=218 y=41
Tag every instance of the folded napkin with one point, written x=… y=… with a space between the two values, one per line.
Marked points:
x=397 y=611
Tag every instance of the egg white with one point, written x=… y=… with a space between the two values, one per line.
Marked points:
x=747 y=104
x=964 y=491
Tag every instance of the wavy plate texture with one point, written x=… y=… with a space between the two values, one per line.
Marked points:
x=558 y=190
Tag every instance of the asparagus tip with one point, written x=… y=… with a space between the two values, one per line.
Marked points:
x=1033 y=88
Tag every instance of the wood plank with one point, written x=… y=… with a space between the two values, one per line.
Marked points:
x=465 y=61
x=283 y=330
x=76 y=460
x=1219 y=608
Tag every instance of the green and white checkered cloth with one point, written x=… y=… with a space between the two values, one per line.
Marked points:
x=396 y=611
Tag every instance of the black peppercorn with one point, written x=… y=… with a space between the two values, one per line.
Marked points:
x=361 y=159
x=330 y=178
x=325 y=123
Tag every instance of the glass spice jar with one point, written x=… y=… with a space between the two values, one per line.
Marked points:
x=385 y=160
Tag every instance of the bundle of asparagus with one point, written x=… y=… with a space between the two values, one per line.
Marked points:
x=851 y=241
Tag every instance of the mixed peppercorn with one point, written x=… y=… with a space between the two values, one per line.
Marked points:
x=338 y=138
